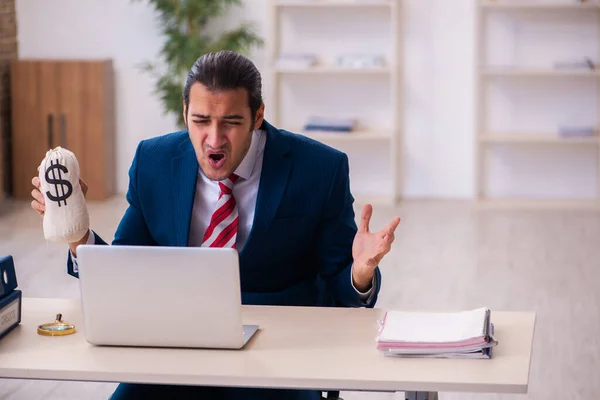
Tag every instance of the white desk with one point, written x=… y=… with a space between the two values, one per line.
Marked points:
x=316 y=348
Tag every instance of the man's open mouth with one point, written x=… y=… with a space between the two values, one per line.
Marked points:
x=216 y=160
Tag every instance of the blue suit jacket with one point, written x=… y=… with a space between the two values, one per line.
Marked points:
x=299 y=250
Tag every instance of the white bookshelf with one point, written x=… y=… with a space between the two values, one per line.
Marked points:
x=331 y=3
x=333 y=70
x=379 y=132
x=524 y=139
x=535 y=138
x=358 y=135
x=539 y=5
x=537 y=72
x=539 y=204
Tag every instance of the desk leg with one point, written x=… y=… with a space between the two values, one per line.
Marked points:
x=421 y=395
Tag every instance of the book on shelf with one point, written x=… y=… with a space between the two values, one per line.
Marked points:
x=296 y=61
x=583 y=64
x=464 y=334
x=576 y=131
x=329 y=124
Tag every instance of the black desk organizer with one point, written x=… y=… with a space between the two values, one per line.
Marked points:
x=10 y=297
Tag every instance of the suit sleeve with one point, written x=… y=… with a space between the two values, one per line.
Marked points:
x=132 y=229
x=334 y=243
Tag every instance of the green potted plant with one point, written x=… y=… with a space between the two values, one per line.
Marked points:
x=184 y=24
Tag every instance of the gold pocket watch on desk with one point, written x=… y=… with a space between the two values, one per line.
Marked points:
x=56 y=328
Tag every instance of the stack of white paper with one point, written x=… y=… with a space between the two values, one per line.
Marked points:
x=467 y=334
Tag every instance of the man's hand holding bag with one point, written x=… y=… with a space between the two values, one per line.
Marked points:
x=60 y=198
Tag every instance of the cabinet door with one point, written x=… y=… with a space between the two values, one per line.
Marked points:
x=99 y=130
x=34 y=95
x=84 y=122
x=71 y=115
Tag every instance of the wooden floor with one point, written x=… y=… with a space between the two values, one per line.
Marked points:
x=447 y=255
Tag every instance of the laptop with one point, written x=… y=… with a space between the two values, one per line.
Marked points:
x=162 y=297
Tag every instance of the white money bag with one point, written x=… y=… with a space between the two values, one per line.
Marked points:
x=66 y=219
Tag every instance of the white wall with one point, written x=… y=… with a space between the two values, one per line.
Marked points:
x=439 y=88
x=118 y=29
x=439 y=82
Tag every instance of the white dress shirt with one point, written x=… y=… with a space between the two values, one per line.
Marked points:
x=245 y=191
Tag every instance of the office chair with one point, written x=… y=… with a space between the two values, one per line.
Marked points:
x=326 y=299
x=332 y=395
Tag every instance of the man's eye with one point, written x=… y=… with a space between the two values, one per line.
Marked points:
x=232 y=123
x=200 y=121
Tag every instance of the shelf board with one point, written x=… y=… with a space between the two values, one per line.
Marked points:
x=529 y=138
x=358 y=135
x=538 y=72
x=539 y=204
x=333 y=3
x=537 y=6
x=334 y=70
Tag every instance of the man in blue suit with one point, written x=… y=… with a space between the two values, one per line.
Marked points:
x=233 y=180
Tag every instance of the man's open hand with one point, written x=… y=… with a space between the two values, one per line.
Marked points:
x=369 y=248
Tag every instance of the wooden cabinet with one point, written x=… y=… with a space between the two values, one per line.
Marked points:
x=67 y=103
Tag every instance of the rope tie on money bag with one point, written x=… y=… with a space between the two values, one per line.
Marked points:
x=66 y=219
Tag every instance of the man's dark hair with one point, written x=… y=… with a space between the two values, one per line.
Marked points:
x=226 y=70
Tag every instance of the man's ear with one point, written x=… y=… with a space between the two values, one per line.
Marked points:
x=260 y=116
x=184 y=113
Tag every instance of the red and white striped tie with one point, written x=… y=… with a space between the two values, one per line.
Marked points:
x=222 y=231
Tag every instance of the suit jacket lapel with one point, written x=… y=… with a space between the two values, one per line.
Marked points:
x=185 y=172
x=277 y=164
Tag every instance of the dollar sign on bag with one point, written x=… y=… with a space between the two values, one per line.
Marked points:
x=59 y=184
